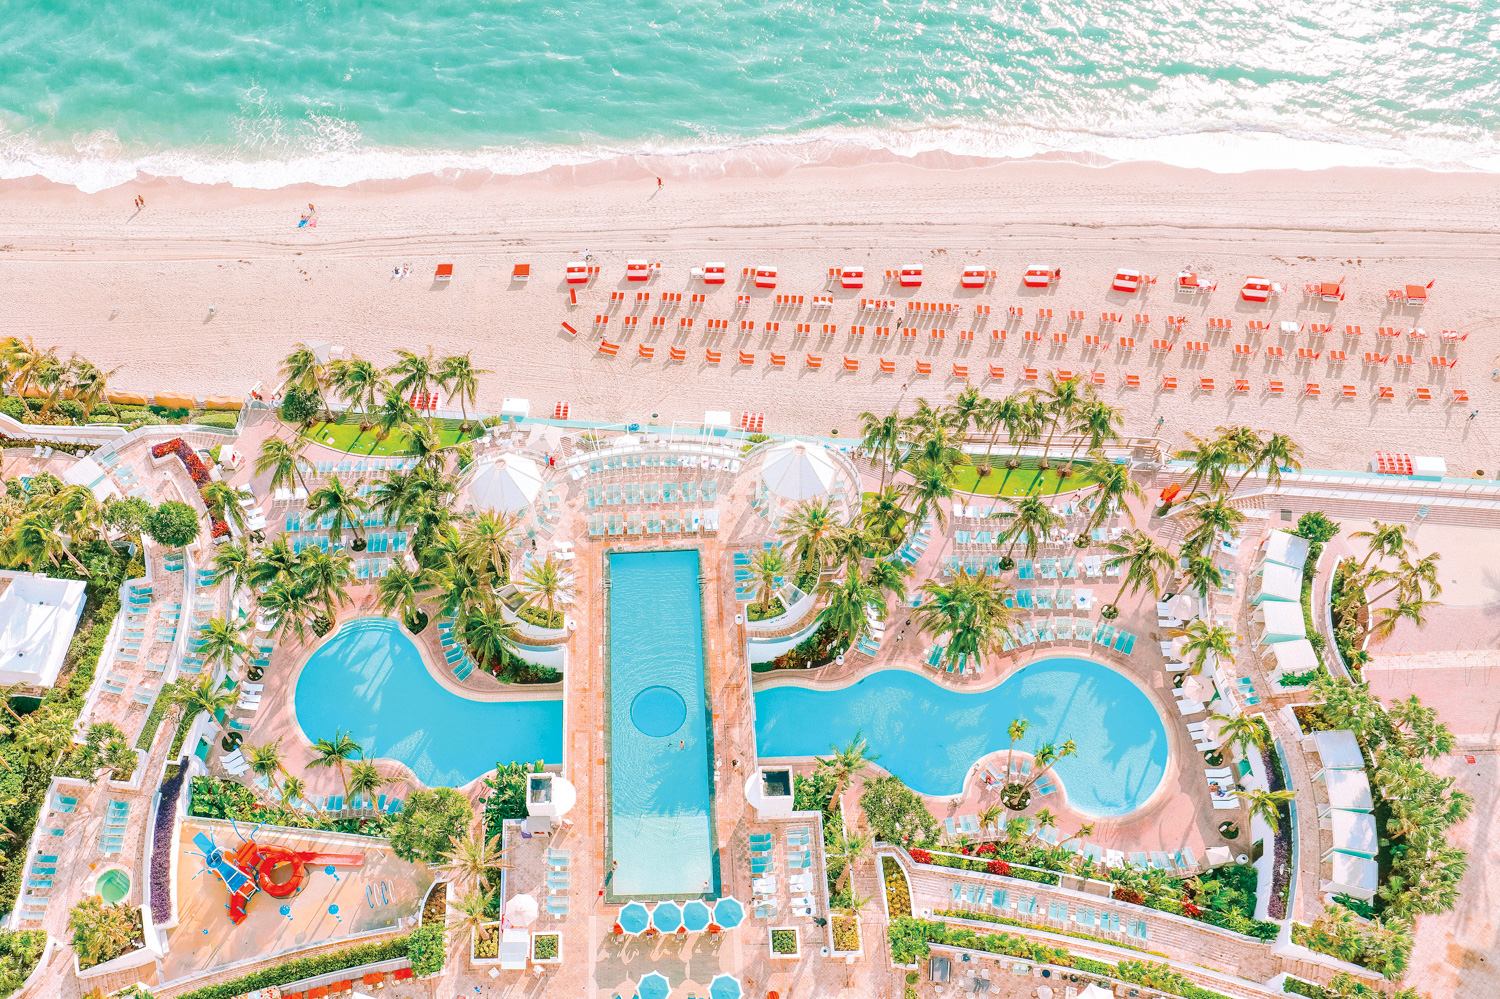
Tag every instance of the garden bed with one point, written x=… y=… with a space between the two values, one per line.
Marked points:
x=897 y=891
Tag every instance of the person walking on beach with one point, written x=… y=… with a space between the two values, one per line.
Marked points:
x=1472 y=415
x=658 y=183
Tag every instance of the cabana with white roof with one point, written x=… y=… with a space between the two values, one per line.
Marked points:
x=1337 y=750
x=1280 y=622
x=1353 y=833
x=1285 y=549
x=797 y=471
x=1290 y=657
x=1357 y=877
x=1275 y=581
x=38 y=615
x=1348 y=790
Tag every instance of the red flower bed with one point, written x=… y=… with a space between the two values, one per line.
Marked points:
x=1129 y=895
x=997 y=867
x=190 y=459
x=985 y=849
x=220 y=527
x=1191 y=909
x=921 y=857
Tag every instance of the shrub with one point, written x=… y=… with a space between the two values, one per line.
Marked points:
x=507 y=795
x=784 y=941
x=1316 y=527
x=307 y=967
x=544 y=946
x=13 y=407
x=19 y=952
x=103 y=932
x=428 y=944
x=896 y=813
x=897 y=891
x=299 y=406
x=173 y=524
x=226 y=420
x=819 y=649
x=812 y=791
x=429 y=823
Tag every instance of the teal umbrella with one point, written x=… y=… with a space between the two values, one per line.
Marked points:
x=634 y=918
x=728 y=912
x=725 y=987
x=696 y=916
x=654 y=986
x=666 y=917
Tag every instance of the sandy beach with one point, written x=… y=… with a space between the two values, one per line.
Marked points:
x=67 y=259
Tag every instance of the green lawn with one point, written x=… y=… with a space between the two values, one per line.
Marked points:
x=1021 y=481
x=348 y=437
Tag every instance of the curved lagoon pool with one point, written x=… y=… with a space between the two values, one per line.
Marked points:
x=930 y=735
x=369 y=679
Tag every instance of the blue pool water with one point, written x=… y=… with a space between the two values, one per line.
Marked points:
x=369 y=679
x=661 y=795
x=930 y=735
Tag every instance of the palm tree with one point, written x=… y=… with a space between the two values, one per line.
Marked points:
x=1275 y=454
x=334 y=753
x=1385 y=541
x=1241 y=730
x=989 y=816
x=966 y=409
x=78 y=514
x=223 y=504
x=1266 y=804
x=287 y=605
x=766 y=568
x=221 y=642
x=1041 y=763
x=1213 y=518
x=90 y=385
x=545 y=584
x=460 y=379
x=811 y=527
x=880 y=441
x=346 y=508
x=204 y=694
x=1144 y=561
x=1095 y=421
x=1017 y=732
x=1032 y=519
x=272 y=562
x=468 y=863
x=470 y=914
x=400 y=590
x=1204 y=640
x=412 y=374
x=360 y=383
x=884 y=518
x=1112 y=486
x=365 y=779
x=848 y=606
x=1210 y=458
x=1062 y=398
x=846 y=764
x=931 y=483
x=394 y=412
x=294 y=789
x=844 y=852
x=266 y=761
x=485 y=543
x=970 y=610
x=1425 y=734
x=488 y=635
x=283 y=459
x=1202 y=574
x=37 y=541
x=23 y=361
x=326 y=577
x=424 y=441
x=1412 y=610
x=304 y=371
x=889 y=576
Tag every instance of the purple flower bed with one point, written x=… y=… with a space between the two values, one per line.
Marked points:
x=162 y=846
x=1281 y=867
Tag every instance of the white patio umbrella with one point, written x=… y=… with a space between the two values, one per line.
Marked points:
x=797 y=470
x=1213 y=732
x=1095 y=992
x=1199 y=687
x=1217 y=856
x=1184 y=606
x=509 y=483
x=521 y=910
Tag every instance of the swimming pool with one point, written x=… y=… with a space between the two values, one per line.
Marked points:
x=369 y=679
x=930 y=735
x=660 y=735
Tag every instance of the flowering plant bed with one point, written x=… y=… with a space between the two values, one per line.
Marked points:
x=845 y=935
x=784 y=942
x=163 y=838
x=190 y=459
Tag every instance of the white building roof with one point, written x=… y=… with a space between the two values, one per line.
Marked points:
x=1280 y=582
x=1285 y=548
x=798 y=470
x=1339 y=750
x=1283 y=621
x=509 y=483
x=1354 y=876
x=37 y=618
x=1296 y=656
x=1353 y=832
x=1348 y=789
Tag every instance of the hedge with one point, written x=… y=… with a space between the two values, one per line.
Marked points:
x=979 y=866
x=1297 y=986
x=305 y=967
x=429 y=946
x=990 y=917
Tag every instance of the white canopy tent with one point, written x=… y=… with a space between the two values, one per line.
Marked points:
x=1338 y=750
x=1357 y=877
x=1285 y=549
x=716 y=422
x=509 y=482
x=1296 y=656
x=1282 y=622
x=797 y=470
x=1279 y=582
x=1348 y=789
x=1353 y=833
x=515 y=410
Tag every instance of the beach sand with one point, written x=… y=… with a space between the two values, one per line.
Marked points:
x=67 y=259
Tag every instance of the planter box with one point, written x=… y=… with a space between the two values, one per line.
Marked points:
x=134 y=959
x=554 y=959
x=796 y=951
x=858 y=952
x=493 y=929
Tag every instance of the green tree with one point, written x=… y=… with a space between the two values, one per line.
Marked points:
x=812 y=528
x=283 y=460
x=845 y=764
x=395 y=411
x=102 y=932
x=767 y=567
x=221 y=642
x=1266 y=804
x=365 y=779
x=334 y=753
x=895 y=812
x=546 y=584
x=880 y=441
x=412 y=374
x=848 y=605
x=267 y=761
x=203 y=694
x=360 y=384
x=1205 y=640
x=970 y=611
x=401 y=591
x=343 y=506
x=223 y=503
x=1031 y=520
x=460 y=379
x=174 y=524
x=325 y=577
x=1017 y=732
x=1145 y=563
x=427 y=826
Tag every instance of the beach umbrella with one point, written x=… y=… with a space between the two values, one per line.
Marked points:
x=634 y=918
x=654 y=986
x=1095 y=992
x=666 y=917
x=1199 y=687
x=696 y=916
x=728 y=912
x=1213 y=732
x=1217 y=856
x=725 y=987
x=1184 y=607
x=509 y=483
x=521 y=910
x=798 y=471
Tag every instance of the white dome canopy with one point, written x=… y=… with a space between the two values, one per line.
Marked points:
x=509 y=483
x=798 y=470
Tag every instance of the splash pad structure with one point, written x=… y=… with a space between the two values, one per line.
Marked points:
x=255 y=867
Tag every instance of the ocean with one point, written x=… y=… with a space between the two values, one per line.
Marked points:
x=263 y=93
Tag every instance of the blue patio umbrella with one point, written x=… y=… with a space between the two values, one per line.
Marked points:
x=696 y=916
x=654 y=986
x=634 y=918
x=666 y=917
x=728 y=912
x=725 y=987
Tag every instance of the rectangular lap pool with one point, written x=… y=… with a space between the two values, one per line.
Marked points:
x=660 y=729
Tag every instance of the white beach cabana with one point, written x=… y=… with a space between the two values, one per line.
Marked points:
x=1353 y=832
x=1277 y=582
x=716 y=422
x=1284 y=548
x=1296 y=656
x=1280 y=622
x=38 y=615
x=1347 y=789
x=509 y=482
x=514 y=410
x=1357 y=877
x=1338 y=750
x=798 y=470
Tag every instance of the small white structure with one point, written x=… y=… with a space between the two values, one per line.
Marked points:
x=1275 y=581
x=509 y=482
x=1353 y=833
x=515 y=948
x=515 y=410
x=1348 y=790
x=1337 y=750
x=716 y=422
x=1283 y=548
x=1357 y=877
x=1290 y=657
x=549 y=797
x=87 y=472
x=1280 y=622
x=798 y=470
x=37 y=617
x=769 y=792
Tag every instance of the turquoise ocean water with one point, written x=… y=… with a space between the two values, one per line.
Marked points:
x=268 y=92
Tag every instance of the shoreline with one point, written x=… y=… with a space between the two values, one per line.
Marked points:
x=71 y=258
